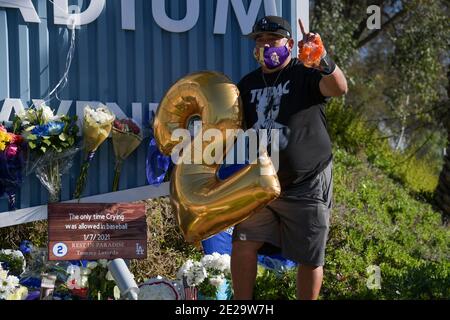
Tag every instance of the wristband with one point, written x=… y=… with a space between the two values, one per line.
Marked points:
x=327 y=65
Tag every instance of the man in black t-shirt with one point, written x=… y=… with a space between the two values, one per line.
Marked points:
x=286 y=95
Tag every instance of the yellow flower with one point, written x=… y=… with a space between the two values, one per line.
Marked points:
x=20 y=294
x=4 y=139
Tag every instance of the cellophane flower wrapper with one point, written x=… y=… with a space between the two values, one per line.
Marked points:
x=50 y=169
x=96 y=128
x=126 y=137
x=51 y=141
x=311 y=51
x=157 y=164
x=11 y=173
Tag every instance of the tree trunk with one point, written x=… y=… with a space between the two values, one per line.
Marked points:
x=443 y=189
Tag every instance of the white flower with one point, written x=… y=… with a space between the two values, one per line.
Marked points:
x=196 y=275
x=217 y=261
x=101 y=115
x=216 y=281
x=27 y=116
x=184 y=269
x=9 y=287
x=92 y=265
x=12 y=283
x=47 y=113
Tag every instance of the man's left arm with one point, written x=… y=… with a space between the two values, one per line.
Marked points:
x=334 y=84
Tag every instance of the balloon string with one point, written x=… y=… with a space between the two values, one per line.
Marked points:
x=62 y=83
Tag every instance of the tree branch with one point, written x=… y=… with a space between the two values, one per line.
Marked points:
x=375 y=33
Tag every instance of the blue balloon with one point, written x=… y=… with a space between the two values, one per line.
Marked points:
x=157 y=164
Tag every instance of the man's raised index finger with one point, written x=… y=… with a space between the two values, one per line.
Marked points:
x=302 y=27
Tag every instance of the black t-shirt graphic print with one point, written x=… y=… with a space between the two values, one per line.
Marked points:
x=290 y=100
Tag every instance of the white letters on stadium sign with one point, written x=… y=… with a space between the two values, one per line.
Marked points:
x=62 y=16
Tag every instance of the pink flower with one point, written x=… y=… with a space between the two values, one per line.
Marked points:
x=118 y=125
x=15 y=139
x=11 y=151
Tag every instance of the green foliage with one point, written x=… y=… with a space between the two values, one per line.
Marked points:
x=336 y=29
x=99 y=284
x=35 y=232
x=43 y=135
x=375 y=221
x=166 y=247
x=270 y=285
x=14 y=262
x=353 y=133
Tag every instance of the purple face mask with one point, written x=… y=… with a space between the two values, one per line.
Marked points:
x=272 y=57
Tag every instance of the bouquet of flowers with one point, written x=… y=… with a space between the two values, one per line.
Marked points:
x=11 y=165
x=10 y=288
x=100 y=282
x=51 y=140
x=94 y=281
x=13 y=261
x=96 y=129
x=126 y=137
x=208 y=275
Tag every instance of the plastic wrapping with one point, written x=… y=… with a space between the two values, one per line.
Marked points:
x=96 y=129
x=11 y=176
x=12 y=148
x=126 y=137
x=157 y=164
x=312 y=51
x=38 y=264
x=51 y=167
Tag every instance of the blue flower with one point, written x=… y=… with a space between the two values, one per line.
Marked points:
x=55 y=128
x=40 y=131
x=25 y=247
x=49 y=129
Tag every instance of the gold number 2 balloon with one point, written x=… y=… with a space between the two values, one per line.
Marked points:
x=205 y=204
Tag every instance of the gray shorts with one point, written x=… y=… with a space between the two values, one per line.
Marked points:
x=297 y=225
